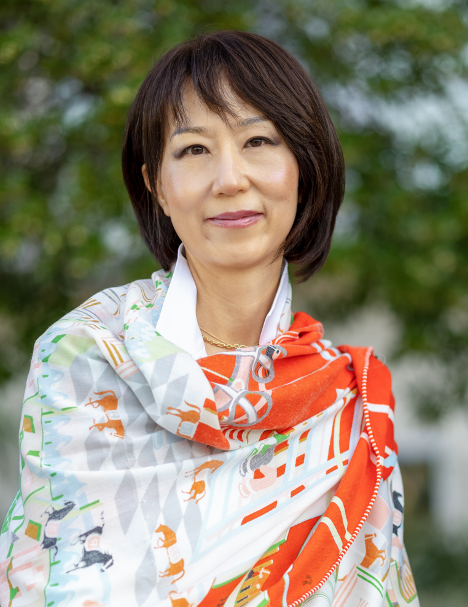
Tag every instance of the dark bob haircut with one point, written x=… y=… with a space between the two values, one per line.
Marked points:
x=264 y=75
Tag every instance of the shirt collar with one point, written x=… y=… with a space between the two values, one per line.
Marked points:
x=178 y=319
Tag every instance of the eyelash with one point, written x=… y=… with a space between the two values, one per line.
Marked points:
x=184 y=151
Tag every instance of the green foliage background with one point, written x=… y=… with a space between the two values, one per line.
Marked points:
x=394 y=75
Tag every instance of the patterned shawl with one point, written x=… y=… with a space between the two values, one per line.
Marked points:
x=261 y=476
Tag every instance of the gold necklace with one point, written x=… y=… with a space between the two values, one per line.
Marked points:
x=222 y=344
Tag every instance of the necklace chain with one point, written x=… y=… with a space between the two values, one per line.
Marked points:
x=222 y=344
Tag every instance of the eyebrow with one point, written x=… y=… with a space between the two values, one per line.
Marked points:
x=197 y=130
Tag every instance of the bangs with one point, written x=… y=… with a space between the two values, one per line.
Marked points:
x=214 y=91
x=216 y=66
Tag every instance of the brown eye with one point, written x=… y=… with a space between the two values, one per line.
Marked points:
x=256 y=142
x=196 y=150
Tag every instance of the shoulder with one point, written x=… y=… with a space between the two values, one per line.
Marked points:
x=91 y=339
x=107 y=311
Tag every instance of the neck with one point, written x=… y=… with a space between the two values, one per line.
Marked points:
x=233 y=303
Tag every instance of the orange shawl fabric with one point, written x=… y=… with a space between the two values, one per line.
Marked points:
x=304 y=385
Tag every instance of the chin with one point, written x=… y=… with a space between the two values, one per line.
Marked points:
x=241 y=256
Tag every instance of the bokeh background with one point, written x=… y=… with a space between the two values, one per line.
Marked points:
x=394 y=76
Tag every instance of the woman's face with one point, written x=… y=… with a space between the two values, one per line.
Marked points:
x=230 y=189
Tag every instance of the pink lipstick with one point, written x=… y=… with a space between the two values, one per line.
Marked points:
x=237 y=219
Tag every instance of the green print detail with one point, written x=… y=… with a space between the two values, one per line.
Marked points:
x=370 y=579
x=134 y=307
x=18 y=518
x=68 y=349
x=31 y=397
x=274 y=546
x=280 y=438
x=28 y=424
x=89 y=505
x=390 y=602
x=33 y=492
x=13 y=593
x=159 y=348
x=58 y=338
x=397 y=585
x=238 y=577
x=8 y=518
x=370 y=582
x=33 y=530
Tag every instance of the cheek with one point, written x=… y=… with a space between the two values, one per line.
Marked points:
x=182 y=189
x=282 y=176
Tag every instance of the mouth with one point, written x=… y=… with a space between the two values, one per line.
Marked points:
x=237 y=219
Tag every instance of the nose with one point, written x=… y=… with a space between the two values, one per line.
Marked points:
x=230 y=174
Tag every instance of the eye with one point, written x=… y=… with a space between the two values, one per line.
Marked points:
x=257 y=142
x=195 y=150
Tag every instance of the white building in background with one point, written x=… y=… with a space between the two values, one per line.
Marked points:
x=441 y=447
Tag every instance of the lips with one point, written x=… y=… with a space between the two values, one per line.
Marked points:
x=236 y=219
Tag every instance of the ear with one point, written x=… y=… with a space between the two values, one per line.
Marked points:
x=145 y=177
x=159 y=191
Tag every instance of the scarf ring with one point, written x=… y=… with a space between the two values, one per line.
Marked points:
x=266 y=464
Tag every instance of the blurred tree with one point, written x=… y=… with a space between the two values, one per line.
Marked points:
x=394 y=76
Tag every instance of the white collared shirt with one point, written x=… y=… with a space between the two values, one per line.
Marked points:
x=178 y=320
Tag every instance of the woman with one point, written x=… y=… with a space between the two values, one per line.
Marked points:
x=185 y=439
